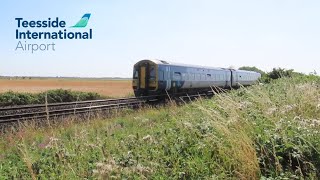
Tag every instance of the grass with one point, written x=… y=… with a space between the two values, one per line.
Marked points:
x=264 y=131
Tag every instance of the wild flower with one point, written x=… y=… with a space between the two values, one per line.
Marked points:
x=315 y=122
x=244 y=104
x=52 y=142
x=143 y=169
x=106 y=169
x=287 y=108
x=147 y=138
x=271 y=110
x=131 y=136
x=187 y=125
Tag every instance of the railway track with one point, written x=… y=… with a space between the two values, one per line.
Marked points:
x=36 y=112
x=49 y=111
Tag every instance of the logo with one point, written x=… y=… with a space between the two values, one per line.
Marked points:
x=48 y=29
x=83 y=21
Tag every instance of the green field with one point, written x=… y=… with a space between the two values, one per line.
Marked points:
x=263 y=131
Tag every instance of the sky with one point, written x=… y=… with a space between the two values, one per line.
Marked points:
x=228 y=33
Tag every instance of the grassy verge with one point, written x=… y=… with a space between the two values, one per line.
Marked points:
x=262 y=131
x=53 y=96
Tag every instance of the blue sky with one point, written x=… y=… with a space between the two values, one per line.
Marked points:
x=265 y=34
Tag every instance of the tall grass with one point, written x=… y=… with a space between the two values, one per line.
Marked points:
x=264 y=131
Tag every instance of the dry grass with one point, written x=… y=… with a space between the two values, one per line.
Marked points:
x=114 y=88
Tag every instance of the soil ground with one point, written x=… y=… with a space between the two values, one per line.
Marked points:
x=107 y=87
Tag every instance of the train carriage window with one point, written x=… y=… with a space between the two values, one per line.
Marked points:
x=208 y=76
x=152 y=72
x=197 y=77
x=184 y=76
x=177 y=75
x=161 y=75
x=192 y=76
x=203 y=77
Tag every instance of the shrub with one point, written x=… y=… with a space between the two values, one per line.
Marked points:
x=53 y=96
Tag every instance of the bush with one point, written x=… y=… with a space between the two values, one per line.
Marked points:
x=276 y=73
x=53 y=96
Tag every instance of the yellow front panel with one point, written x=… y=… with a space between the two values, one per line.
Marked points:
x=143 y=77
x=134 y=83
x=152 y=83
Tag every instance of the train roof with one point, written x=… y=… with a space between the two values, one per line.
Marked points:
x=163 y=62
x=156 y=61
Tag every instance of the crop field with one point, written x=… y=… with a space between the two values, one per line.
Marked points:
x=106 y=87
x=266 y=131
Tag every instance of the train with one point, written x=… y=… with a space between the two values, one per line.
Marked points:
x=159 y=77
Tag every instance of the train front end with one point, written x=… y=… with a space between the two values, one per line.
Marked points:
x=145 y=78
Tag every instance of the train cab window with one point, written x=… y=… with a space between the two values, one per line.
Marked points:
x=152 y=72
x=135 y=74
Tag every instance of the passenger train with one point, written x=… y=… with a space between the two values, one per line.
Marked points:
x=157 y=77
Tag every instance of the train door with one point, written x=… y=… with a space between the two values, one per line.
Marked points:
x=168 y=77
x=234 y=78
x=231 y=78
x=143 y=76
x=226 y=75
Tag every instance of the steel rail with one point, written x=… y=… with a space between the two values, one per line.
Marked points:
x=69 y=111
x=63 y=104
x=41 y=111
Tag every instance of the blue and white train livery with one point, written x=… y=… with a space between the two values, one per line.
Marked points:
x=155 y=77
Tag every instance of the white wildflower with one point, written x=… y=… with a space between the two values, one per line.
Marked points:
x=147 y=138
x=188 y=125
x=271 y=110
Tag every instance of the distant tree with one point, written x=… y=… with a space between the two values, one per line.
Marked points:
x=277 y=73
x=252 y=68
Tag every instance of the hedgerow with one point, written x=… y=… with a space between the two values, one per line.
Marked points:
x=11 y=98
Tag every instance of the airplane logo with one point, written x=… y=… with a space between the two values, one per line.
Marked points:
x=83 y=21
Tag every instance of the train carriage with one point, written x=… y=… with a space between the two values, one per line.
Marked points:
x=155 y=77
